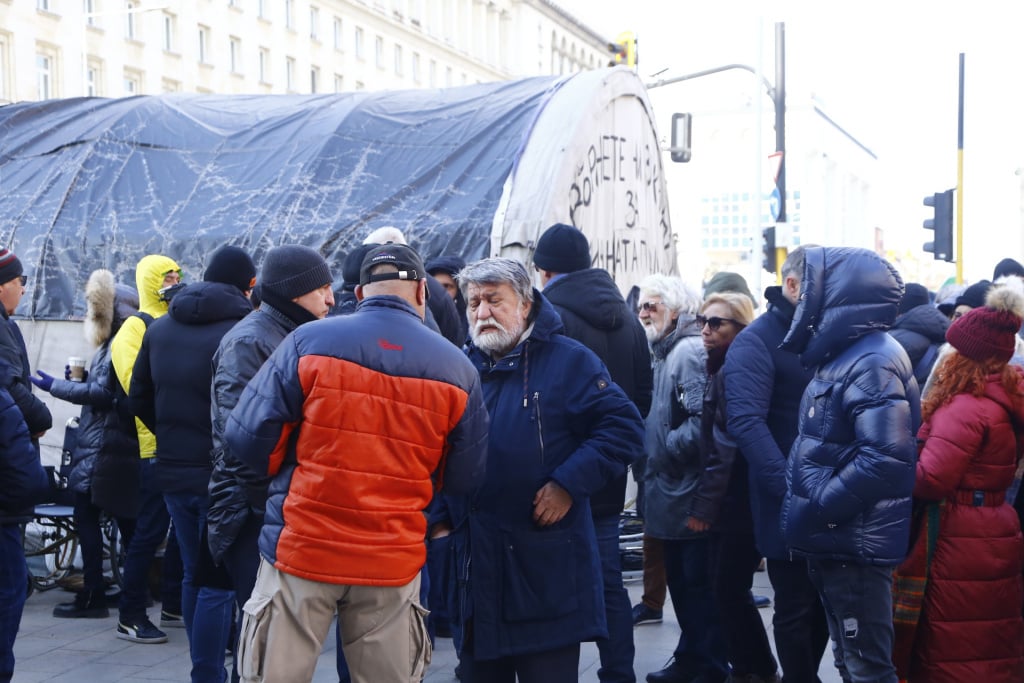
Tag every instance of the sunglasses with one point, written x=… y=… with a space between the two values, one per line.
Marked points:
x=714 y=322
x=649 y=306
x=23 y=279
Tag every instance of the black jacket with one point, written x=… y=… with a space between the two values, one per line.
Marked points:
x=595 y=314
x=921 y=331
x=170 y=387
x=23 y=481
x=14 y=374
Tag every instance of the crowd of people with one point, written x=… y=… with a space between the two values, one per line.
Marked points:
x=441 y=449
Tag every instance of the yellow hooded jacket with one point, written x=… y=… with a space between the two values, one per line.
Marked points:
x=149 y=279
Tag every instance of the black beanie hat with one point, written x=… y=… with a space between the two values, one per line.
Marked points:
x=973 y=296
x=1007 y=266
x=231 y=266
x=562 y=249
x=292 y=270
x=353 y=262
x=915 y=295
x=10 y=266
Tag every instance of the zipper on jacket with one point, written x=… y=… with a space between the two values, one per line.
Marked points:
x=540 y=426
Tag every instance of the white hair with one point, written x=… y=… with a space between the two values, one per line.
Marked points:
x=678 y=296
x=388 y=233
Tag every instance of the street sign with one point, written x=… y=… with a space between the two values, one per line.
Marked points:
x=775 y=204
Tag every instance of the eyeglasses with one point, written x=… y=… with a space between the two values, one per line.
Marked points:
x=714 y=322
x=649 y=306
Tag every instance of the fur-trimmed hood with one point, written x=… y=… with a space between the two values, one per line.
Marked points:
x=107 y=305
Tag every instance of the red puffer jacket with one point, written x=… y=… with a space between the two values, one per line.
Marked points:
x=971 y=627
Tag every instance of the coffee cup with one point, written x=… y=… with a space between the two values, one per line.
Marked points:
x=77 y=366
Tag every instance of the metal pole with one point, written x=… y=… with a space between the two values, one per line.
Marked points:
x=780 y=114
x=960 y=179
x=758 y=202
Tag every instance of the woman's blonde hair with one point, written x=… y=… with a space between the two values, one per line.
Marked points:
x=740 y=307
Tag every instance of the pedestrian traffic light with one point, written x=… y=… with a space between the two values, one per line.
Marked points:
x=768 y=249
x=941 y=223
x=623 y=50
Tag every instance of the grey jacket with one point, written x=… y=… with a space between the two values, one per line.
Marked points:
x=672 y=441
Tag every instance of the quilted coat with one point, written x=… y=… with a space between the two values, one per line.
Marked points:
x=971 y=627
x=850 y=472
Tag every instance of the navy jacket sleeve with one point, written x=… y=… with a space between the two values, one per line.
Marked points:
x=466 y=459
x=749 y=380
x=23 y=480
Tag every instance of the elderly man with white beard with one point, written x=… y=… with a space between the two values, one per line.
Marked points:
x=528 y=587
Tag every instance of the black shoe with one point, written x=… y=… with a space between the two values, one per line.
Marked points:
x=169 y=619
x=87 y=605
x=642 y=614
x=673 y=673
x=141 y=631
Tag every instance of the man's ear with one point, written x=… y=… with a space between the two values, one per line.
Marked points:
x=359 y=293
x=421 y=293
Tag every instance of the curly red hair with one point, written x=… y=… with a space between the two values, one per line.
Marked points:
x=958 y=374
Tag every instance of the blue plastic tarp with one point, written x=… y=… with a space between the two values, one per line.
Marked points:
x=99 y=183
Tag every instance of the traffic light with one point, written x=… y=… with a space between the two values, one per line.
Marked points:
x=941 y=223
x=768 y=249
x=623 y=50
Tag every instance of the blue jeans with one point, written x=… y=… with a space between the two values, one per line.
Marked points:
x=617 y=650
x=150 y=532
x=13 y=592
x=858 y=605
x=701 y=647
x=206 y=611
x=550 y=666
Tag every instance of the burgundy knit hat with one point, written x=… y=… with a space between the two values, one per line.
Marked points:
x=989 y=332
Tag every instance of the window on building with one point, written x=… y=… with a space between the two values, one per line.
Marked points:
x=45 y=69
x=357 y=44
x=43 y=5
x=168 y=34
x=204 y=44
x=399 y=61
x=132 y=82
x=416 y=67
x=432 y=74
x=337 y=28
x=92 y=80
x=235 y=52
x=339 y=83
x=89 y=9
x=261 y=9
x=170 y=85
x=314 y=22
x=129 y=19
x=314 y=79
x=264 y=65
x=289 y=73
x=447 y=77
x=289 y=13
x=379 y=51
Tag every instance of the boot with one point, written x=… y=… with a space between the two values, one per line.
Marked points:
x=87 y=605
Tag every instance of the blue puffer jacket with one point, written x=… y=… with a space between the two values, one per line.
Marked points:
x=850 y=474
x=763 y=386
x=23 y=481
x=556 y=416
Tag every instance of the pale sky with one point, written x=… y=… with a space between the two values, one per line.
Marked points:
x=888 y=73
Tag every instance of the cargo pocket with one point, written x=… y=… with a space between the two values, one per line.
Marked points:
x=539 y=575
x=252 y=639
x=419 y=641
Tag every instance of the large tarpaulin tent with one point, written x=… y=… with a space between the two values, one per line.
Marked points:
x=478 y=170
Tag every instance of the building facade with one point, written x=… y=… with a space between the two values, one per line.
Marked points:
x=116 y=48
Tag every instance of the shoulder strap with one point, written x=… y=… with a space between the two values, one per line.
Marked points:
x=146 y=317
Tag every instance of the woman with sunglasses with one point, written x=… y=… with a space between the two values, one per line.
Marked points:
x=722 y=501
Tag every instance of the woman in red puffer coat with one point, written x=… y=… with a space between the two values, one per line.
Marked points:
x=971 y=627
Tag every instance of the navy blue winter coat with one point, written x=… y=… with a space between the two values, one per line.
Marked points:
x=850 y=474
x=763 y=388
x=555 y=416
x=23 y=480
x=171 y=381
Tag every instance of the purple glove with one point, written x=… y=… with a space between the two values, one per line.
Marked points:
x=44 y=381
x=67 y=372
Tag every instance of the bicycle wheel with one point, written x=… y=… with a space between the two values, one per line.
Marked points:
x=113 y=551
x=51 y=545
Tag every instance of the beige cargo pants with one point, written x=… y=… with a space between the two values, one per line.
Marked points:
x=286 y=620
